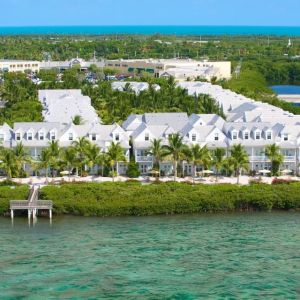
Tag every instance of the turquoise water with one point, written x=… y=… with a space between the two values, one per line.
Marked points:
x=234 y=256
x=177 y=30
x=286 y=89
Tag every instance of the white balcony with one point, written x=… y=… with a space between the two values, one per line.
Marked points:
x=144 y=158
x=290 y=158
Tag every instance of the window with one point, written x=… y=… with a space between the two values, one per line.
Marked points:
x=234 y=135
x=246 y=135
x=216 y=136
x=70 y=136
x=257 y=135
x=285 y=137
x=117 y=137
x=42 y=136
x=193 y=137
x=94 y=137
x=146 y=136
x=1 y=137
x=29 y=136
x=18 y=136
x=52 y=136
x=269 y=135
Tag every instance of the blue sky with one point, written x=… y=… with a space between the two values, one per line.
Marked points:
x=149 y=12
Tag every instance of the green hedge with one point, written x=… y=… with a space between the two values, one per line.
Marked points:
x=8 y=193
x=116 y=199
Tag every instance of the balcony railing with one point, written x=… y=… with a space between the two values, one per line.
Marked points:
x=144 y=158
x=289 y=158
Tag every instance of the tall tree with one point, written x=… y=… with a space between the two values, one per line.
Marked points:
x=175 y=149
x=275 y=156
x=218 y=156
x=239 y=160
x=81 y=145
x=158 y=152
x=22 y=157
x=115 y=154
x=197 y=155
x=8 y=162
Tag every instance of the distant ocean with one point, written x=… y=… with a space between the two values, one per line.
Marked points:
x=149 y=30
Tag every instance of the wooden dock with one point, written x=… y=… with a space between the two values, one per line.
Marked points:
x=32 y=205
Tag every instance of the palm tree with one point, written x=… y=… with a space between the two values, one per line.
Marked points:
x=8 y=162
x=21 y=156
x=92 y=155
x=218 y=156
x=54 y=151
x=275 y=156
x=175 y=149
x=69 y=158
x=81 y=146
x=239 y=160
x=197 y=155
x=114 y=155
x=158 y=152
x=77 y=120
x=44 y=161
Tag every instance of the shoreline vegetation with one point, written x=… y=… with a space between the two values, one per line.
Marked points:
x=136 y=199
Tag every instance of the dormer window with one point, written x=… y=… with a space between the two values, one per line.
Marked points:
x=1 y=137
x=146 y=136
x=52 y=136
x=41 y=136
x=117 y=137
x=94 y=137
x=29 y=136
x=18 y=136
x=246 y=135
x=285 y=137
x=257 y=135
x=71 y=136
x=194 y=137
x=234 y=135
x=216 y=136
x=269 y=135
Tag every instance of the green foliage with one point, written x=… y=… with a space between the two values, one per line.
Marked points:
x=8 y=193
x=133 y=170
x=130 y=198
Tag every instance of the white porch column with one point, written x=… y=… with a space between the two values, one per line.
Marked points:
x=50 y=213
x=12 y=213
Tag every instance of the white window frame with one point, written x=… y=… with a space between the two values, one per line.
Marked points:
x=216 y=138
x=269 y=135
x=194 y=137
x=147 y=138
x=117 y=137
x=234 y=135
x=71 y=136
x=42 y=134
x=285 y=136
x=257 y=135
x=52 y=136
x=18 y=136
x=246 y=135
x=29 y=136
x=94 y=137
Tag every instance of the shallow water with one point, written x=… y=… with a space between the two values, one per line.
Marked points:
x=234 y=256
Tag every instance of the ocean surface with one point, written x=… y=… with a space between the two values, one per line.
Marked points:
x=286 y=89
x=232 y=256
x=166 y=30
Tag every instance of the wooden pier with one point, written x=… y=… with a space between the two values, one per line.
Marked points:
x=32 y=205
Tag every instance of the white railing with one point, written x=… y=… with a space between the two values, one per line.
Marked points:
x=144 y=158
x=290 y=158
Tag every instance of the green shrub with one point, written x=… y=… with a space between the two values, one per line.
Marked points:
x=133 y=198
x=133 y=170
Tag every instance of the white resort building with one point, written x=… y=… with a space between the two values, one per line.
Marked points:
x=250 y=123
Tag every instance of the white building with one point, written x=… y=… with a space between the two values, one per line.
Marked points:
x=11 y=65
x=181 y=69
x=63 y=105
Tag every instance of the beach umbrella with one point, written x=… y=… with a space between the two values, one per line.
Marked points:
x=264 y=171
x=286 y=171
x=64 y=173
x=207 y=172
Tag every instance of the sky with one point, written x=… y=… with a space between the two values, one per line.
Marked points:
x=149 y=12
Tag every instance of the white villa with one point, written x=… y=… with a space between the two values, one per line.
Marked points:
x=250 y=123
